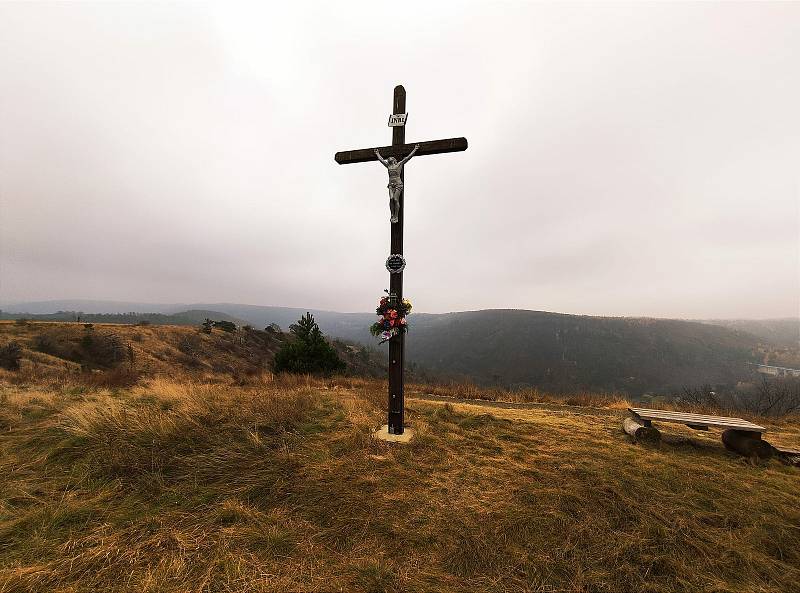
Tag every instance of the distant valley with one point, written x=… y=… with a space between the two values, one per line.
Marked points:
x=510 y=348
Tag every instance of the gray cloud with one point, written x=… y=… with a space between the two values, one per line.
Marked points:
x=623 y=160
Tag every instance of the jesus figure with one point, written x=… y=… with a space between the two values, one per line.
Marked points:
x=395 y=186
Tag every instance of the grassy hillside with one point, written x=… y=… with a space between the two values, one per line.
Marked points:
x=273 y=484
x=121 y=353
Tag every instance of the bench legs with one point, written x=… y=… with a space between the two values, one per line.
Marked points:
x=747 y=443
x=640 y=429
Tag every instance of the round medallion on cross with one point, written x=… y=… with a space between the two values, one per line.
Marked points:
x=395 y=263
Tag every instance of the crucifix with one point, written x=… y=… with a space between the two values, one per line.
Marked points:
x=388 y=156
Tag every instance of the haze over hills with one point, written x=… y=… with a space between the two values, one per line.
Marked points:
x=190 y=317
x=564 y=352
x=91 y=306
x=780 y=332
x=256 y=315
x=511 y=347
x=350 y=326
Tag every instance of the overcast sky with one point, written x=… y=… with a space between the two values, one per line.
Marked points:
x=623 y=159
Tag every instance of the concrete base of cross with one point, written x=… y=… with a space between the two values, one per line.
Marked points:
x=383 y=434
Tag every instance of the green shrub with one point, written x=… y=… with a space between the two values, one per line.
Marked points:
x=227 y=326
x=308 y=352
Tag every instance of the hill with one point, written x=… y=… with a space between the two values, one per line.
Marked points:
x=273 y=484
x=777 y=332
x=509 y=347
x=90 y=306
x=567 y=352
x=348 y=326
x=135 y=350
x=191 y=317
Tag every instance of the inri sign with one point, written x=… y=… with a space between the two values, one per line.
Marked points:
x=397 y=119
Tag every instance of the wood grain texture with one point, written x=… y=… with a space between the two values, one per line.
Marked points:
x=397 y=344
x=639 y=431
x=697 y=419
x=747 y=443
x=398 y=149
x=364 y=155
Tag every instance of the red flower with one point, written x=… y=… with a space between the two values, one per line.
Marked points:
x=392 y=313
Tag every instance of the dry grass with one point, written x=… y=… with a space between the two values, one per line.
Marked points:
x=467 y=390
x=273 y=484
x=53 y=350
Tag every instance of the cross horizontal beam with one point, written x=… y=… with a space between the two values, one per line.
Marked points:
x=363 y=155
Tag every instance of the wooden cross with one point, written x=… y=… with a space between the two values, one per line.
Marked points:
x=399 y=149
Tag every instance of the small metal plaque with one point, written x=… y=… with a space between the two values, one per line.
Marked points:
x=395 y=263
x=397 y=119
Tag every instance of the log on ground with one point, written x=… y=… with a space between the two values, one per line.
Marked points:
x=640 y=432
x=747 y=443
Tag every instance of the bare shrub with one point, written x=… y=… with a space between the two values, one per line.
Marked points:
x=10 y=355
x=105 y=349
x=121 y=376
x=701 y=396
x=190 y=344
x=773 y=397
x=47 y=344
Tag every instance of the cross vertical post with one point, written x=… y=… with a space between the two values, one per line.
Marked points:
x=399 y=150
x=397 y=344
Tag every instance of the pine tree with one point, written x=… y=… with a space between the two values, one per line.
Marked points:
x=227 y=326
x=306 y=329
x=308 y=352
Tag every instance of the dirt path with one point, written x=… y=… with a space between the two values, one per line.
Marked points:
x=547 y=407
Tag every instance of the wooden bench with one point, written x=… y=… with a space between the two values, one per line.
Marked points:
x=738 y=434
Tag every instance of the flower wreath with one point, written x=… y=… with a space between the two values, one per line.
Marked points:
x=393 y=319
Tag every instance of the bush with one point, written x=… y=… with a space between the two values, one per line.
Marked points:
x=121 y=376
x=308 y=352
x=46 y=343
x=774 y=397
x=778 y=396
x=190 y=344
x=104 y=349
x=10 y=355
x=701 y=396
